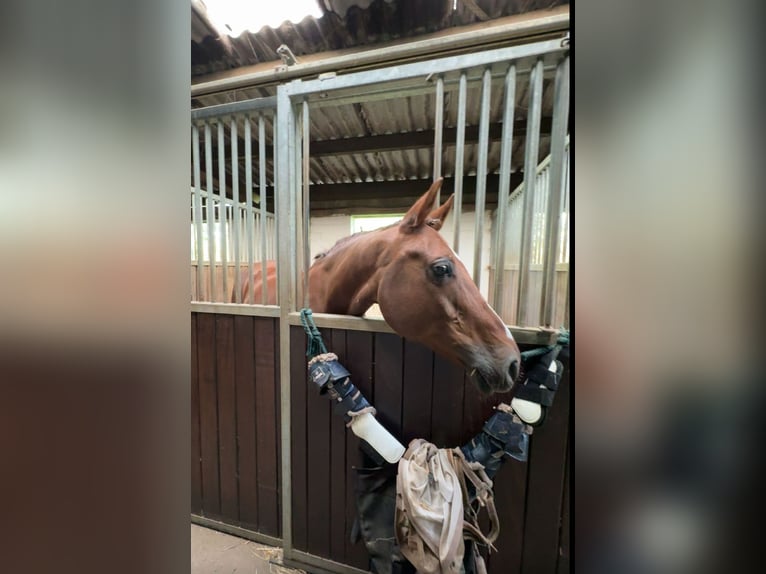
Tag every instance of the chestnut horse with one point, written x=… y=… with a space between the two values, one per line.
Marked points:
x=422 y=287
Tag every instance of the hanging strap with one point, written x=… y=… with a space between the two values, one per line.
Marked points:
x=315 y=343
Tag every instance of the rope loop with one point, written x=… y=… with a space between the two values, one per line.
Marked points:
x=315 y=343
x=562 y=341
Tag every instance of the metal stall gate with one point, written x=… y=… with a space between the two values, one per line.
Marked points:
x=297 y=461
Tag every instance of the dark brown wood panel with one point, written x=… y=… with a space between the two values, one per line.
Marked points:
x=359 y=362
x=227 y=422
x=388 y=381
x=278 y=426
x=447 y=405
x=266 y=425
x=563 y=564
x=417 y=386
x=196 y=469
x=244 y=367
x=318 y=463
x=208 y=396
x=298 y=390
x=336 y=343
x=544 y=492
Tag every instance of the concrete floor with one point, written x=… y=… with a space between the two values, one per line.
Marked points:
x=216 y=552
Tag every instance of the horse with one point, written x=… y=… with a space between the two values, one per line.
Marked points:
x=422 y=288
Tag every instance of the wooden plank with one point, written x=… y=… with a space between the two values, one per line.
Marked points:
x=266 y=426
x=388 y=381
x=336 y=343
x=318 y=461
x=196 y=468
x=447 y=404
x=211 y=502
x=563 y=564
x=298 y=390
x=244 y=365
x=227 y=412
x=359 y=359
x=417 y=387
x=510 y=485
x=546 y=477
x=278 y=427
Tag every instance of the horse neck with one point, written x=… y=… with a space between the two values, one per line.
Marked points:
x=346 y=278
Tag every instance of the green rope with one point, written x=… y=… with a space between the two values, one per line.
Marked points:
x=562 y=341
x=315 y=342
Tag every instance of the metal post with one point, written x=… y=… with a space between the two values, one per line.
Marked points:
x=530 y=177
x=481 y=175
x=197 y=208
x=459 y=159
x=235 y=218
x=285 y=232
x=275 y=179
x=556 y=171
x=210 y=209
x=504 y=189
x=222 y=207
x=262 y=189
x=438 y=132
x=306 y=214
x=249 y=207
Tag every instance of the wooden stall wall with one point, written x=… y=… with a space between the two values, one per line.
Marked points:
x=235 y=421
x=419 y=395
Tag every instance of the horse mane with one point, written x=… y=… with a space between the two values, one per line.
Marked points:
x=343 y=241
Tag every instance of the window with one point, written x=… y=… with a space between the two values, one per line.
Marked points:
x=371 y=222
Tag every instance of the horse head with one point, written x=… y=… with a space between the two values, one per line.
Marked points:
x=427 y=295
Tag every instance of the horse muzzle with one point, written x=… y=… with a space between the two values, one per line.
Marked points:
x=496 y=381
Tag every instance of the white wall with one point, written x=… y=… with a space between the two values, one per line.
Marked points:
x=325 y=231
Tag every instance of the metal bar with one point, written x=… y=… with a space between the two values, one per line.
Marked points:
x=296 y=244
x=235 y=211
x=275 y=176
x=210 y=204
x=222 y=208
x=235 y=530
x=256 y=104
x=197 y=208
x=481 y=177
x=503 y=189
x=530 y=177
x=262 y=193
x=249 y=207
x=555 y=180
x=556 y=20
x=306 y=223
x=459 y=159
x=285 y=233
x=236 y=309
x=438 y=132
x=414 y=70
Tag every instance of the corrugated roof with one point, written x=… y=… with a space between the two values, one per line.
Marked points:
x=344 y=24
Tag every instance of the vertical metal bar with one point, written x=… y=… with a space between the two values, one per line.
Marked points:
x=197 y=208
x=283 y=133
x=555 y=180
x=210 y=209
x=306 y=214
x=222 y=208
x=236 y=220
x=504 y=189
x=275 y=178
x=459 y=159
x=249 y=208
x=296 y=244
x=481 y=175
x=438 y=131
x=530 y=177
x=262 y=190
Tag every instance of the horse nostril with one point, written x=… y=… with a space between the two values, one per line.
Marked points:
x=514 y=369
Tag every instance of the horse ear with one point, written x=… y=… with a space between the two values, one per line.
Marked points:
x=439 y=215
x=418 y=213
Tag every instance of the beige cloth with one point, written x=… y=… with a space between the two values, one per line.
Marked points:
x=432 y=507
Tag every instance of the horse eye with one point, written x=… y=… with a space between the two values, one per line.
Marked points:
x=442 y=269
